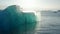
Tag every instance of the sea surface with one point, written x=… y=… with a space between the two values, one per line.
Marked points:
x=48 y=25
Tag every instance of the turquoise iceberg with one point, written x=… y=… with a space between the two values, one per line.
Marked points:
x=14 y=21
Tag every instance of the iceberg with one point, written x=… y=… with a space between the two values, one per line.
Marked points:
x=14 y=21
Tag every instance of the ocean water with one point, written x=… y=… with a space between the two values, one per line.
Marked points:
x=48 y=25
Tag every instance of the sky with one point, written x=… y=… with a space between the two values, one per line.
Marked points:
x=32 y=4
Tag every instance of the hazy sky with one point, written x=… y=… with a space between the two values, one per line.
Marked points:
x=32 y=4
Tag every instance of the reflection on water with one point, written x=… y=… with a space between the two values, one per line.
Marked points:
x=49 y=25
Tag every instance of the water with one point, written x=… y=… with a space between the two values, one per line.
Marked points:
x=48 y=25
